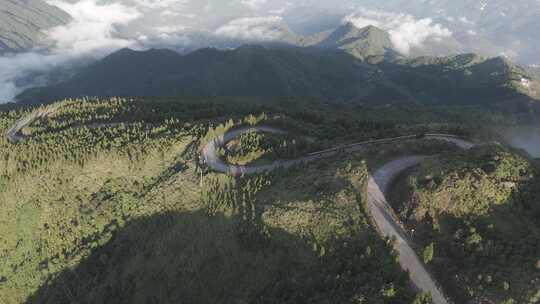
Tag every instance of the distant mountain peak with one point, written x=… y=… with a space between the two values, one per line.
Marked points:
x=22 y=23
x=373 y=30
x=347 y=31
x=250 y=48
x=348 y=26
x=351 y=28
x=363 y=43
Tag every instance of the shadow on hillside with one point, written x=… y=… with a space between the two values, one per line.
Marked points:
x=181 y=258
x=194 y=258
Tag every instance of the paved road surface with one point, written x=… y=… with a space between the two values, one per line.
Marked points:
x=387 y=223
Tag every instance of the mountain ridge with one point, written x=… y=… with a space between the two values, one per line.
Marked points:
x=253 y=70
x=363 y=43
x=248 y=70
x=22 y=23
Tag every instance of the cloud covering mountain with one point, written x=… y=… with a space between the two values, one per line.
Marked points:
x=415 y=28
x=92 y=32
x=406 y=32
x=22 y=22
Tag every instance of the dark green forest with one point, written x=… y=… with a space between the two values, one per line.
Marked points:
x=329 y=74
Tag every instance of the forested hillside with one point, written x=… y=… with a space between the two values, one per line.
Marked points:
x=279 y=72
x=105 y=200
x=96 y=212
x=246 y=71
x=475 y=218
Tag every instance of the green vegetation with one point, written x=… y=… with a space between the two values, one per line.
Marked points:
x=275 y=72
x=429 y=251
x=117 y=213
x=263 y=147
x=103 y=201
x=480 y=210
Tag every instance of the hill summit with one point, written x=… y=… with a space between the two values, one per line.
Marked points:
x=362 y=43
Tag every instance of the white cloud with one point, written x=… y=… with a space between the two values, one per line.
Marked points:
x=254 y=4
x=406 y=32
x=255 y=28
x=161 y=3
x=414 y=34
x=466 y=21
x=170 y=29
x=102 y=26
x=91 y=33
x=7 y=91
x=13 y=67
x=93 y=26
x=526 y=83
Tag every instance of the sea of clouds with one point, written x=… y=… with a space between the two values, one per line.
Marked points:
x=100 y=27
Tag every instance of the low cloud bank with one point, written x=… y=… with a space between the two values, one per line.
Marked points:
x=100 y=27
x=254 y=28
x=406 y=32
x=526 y=138
x=91 y=33
x=93 y=27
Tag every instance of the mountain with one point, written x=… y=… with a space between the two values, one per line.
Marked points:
x=491 y=27
x=362 y=43
x=245 y=71
x=329 y=74
x=534 y=70
x=22 y=23
x=465 y=78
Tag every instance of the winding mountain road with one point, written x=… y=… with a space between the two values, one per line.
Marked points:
x=14 y=135
x=378 y=185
